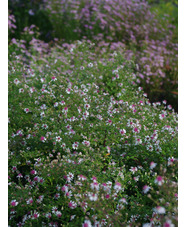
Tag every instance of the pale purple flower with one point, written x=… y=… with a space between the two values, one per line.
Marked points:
x=146 y=188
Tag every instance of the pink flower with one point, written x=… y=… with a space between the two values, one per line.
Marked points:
x=107 y=196
x=43 y=139
x=136 y=130
x=65 y=109
x=153 y=165
x=48 y=215
x=161 y=116
x=168 y=223
x=169 y=107
x=32 y=172
x=26 y=110
x=105 y=187
x=159 y=180
x=35 y=215
x=29 y=201
x=19 y=175
x=72 y=205
x=36 y=178
x=64 y=188
x=176 y=195
x=13 y=203
x=109 y=122
x=146 y=188
x=68 y=194
x=87 y=223
x=108 y=149
x=68 y=90
x=14 y=168
x=54 y=78
x=94 y=179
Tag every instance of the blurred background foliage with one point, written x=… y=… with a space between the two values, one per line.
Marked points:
x=52 y=22
x=27 y=13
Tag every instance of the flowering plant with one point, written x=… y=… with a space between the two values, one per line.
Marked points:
x=86 y=147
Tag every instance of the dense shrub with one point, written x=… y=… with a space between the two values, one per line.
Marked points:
x=86 y=147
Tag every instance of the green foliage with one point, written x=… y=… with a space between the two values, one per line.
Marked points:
x=82 y=139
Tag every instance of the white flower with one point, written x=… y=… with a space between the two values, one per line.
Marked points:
x=90 y=65
x=123 y=200
x=149 y=147
x=117 y=186
x=21 y=90
x=94 y=185
x=30 y=12
x=119 y=206
x=87 y=106
x=86 y=143
x=122 y=131
x=160 y=210
x=54 y=210
x=45 y=126
x=26 y=110
x=93 y=197
x=55 y=104
x=115 y=71
x=81 y=177
x=68 y=90
x=42 y=114
x=16 y=81
x=147 y=225
x=87 y=223
x=72 y=204
x=58 y=214
x=70 y=176
x=58 y=139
